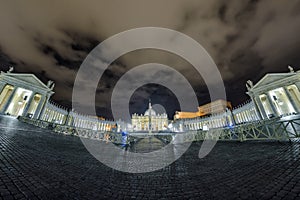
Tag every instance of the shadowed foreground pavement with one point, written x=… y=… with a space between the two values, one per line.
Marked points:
x=39 y=164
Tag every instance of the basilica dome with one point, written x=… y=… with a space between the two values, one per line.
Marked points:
x=150 y=110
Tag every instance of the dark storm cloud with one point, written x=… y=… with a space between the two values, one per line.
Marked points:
x=5 y=61
x=245 y=38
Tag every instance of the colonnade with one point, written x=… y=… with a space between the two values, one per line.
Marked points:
x=89 y=122
x=55 y=113
x=213 y=121
x=245 y=113
x=242 y=114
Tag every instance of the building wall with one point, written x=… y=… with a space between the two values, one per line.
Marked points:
x=214 y=107
x=22 y=94
x=276 y=95
x=242 y=114
x=145 y=123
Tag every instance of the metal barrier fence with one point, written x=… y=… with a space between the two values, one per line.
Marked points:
x=80 y=132
x=286 y=128
x=272 y=129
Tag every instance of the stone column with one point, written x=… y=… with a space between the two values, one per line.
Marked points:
x=243 y=116
x=43 y=107
x=81 y=123
x=89 y=124
x=269 y=98
x=240 y=117
x=251 y=114
x=39 y=107
x=297 y=84
x=237 y=118
x=50 y=114
x=59 y=117
x=248 y=116
x=62 y=118
x=256 y=108
x=100 y=126
x=28 y=104
x=71 y=120
x=2 y=85
x=291 y=99
x=231 y=116
x=103 y=126
x=45 y=115
x=52 y=118
x=76 y=121
x=85 y=125
x=54 y=113
x=261 y=110
x=67 y=118
x=9 y=100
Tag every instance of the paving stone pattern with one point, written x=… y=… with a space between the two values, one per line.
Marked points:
x=39 y=164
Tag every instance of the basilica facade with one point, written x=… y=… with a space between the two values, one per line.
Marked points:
x=149 y=121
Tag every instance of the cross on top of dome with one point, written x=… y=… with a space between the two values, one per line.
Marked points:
x=150 y=111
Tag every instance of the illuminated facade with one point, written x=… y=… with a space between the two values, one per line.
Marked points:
x=276 y=94
x=23 y=94
x=149 y=121
x=214 y=107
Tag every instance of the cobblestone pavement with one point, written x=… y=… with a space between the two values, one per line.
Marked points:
x=39 y=164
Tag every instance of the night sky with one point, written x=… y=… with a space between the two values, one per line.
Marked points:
x=246 y=39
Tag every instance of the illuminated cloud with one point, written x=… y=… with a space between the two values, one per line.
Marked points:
x=245 y=38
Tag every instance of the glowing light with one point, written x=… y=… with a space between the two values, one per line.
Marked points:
x=205 y=128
